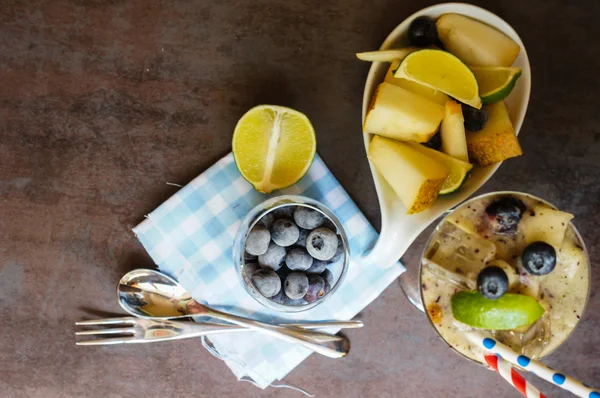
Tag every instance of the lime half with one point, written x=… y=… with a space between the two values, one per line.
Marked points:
x=495 y=82
x=441 y=71
x=505 y=313
x=273 y=146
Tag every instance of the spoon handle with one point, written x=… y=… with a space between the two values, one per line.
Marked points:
x=332 y=346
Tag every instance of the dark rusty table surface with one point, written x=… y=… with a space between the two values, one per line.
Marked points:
x=104 y=101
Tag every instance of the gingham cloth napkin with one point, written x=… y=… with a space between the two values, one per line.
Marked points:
x=190 y=237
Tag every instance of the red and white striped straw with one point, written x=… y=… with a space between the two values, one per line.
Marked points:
x=509 y=374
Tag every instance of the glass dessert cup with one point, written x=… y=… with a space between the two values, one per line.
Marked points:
x=437 y=282
x=338 y=269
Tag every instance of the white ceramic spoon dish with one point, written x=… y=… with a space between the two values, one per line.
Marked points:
x=399 y=230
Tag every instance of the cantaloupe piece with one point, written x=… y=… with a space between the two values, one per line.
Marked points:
x=400 y=114
x=541 y=223
x=414 y=177
x=452 y=130
x=475 y=43
x=496 y=141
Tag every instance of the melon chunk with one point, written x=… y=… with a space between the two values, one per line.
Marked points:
x=397 y=113
x=454 y=140
x=416 y=178
x=496 y=141
x=475 y=43
x=541 y=223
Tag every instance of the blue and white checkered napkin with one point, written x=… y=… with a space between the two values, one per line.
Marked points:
x=190 y=237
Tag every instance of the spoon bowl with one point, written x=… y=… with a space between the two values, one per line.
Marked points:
x=399 y=230
x=146 y=293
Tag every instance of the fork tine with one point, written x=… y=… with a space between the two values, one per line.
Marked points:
x=118 y=340
x=106 y=331
x=107 y=321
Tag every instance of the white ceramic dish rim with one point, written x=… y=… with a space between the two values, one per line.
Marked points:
x=399 y=230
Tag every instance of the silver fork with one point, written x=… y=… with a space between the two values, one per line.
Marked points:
x=139 y=330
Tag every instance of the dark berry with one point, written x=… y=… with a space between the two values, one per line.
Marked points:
x=298 y=259
x=251 y=268
x=328 y=277
x=273 y=257
x=316 y=288
x=422 y=32
x=435 y=142
x=504 y=214
x=296 y=285
x=258 y=240
x=317 y=267
x=267 y=282
x=308 y=218
x=539 y=258
x=492 y=282
x=322 y=244
x=475 y=119
x=284 y=232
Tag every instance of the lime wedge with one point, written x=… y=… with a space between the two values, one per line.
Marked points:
x=495 y=82
x=273 y=146
x=505 y=313
x=441 y=71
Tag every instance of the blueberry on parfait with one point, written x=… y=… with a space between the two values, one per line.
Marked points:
x=539 y=258
x=504 y=214
x=492 y=282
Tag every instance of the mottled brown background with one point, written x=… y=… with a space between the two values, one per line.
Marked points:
x=103 y=101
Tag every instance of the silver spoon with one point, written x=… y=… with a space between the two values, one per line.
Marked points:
x=151 y=294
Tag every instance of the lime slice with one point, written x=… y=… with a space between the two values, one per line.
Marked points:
x=273 y=146
x=505 y=313
x=386 y=55
x=441 y=71
x=495 y=82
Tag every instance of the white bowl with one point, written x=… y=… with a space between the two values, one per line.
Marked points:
x=399 y=230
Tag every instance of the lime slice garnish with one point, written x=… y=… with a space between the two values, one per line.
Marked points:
x=495 y=82
x=505 y=313
x=442 y=71
x=273 y=146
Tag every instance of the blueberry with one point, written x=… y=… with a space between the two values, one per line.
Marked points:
x=322 y=244
x=279 y=298
x=328 y=277
x=504 y=214
x=316 y=288
x=284 y=232
x=296 y=285
x=302 y=237
x=492 y=282
x=298 y=259
x=286 y=212
x=539 y=258
x=258 y=240
x=267 y=282
x=251 y=268
x=317 y=267
x=267 y=220
x=422 y=32
x=249 y=258
x=435 y=142
x=329 y=225
x=283 y=299
x=273 y=257
x=475 y=119
x=308 y=218
x=339 y=253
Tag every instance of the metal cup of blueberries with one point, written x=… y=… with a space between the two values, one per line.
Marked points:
x=292 y=253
